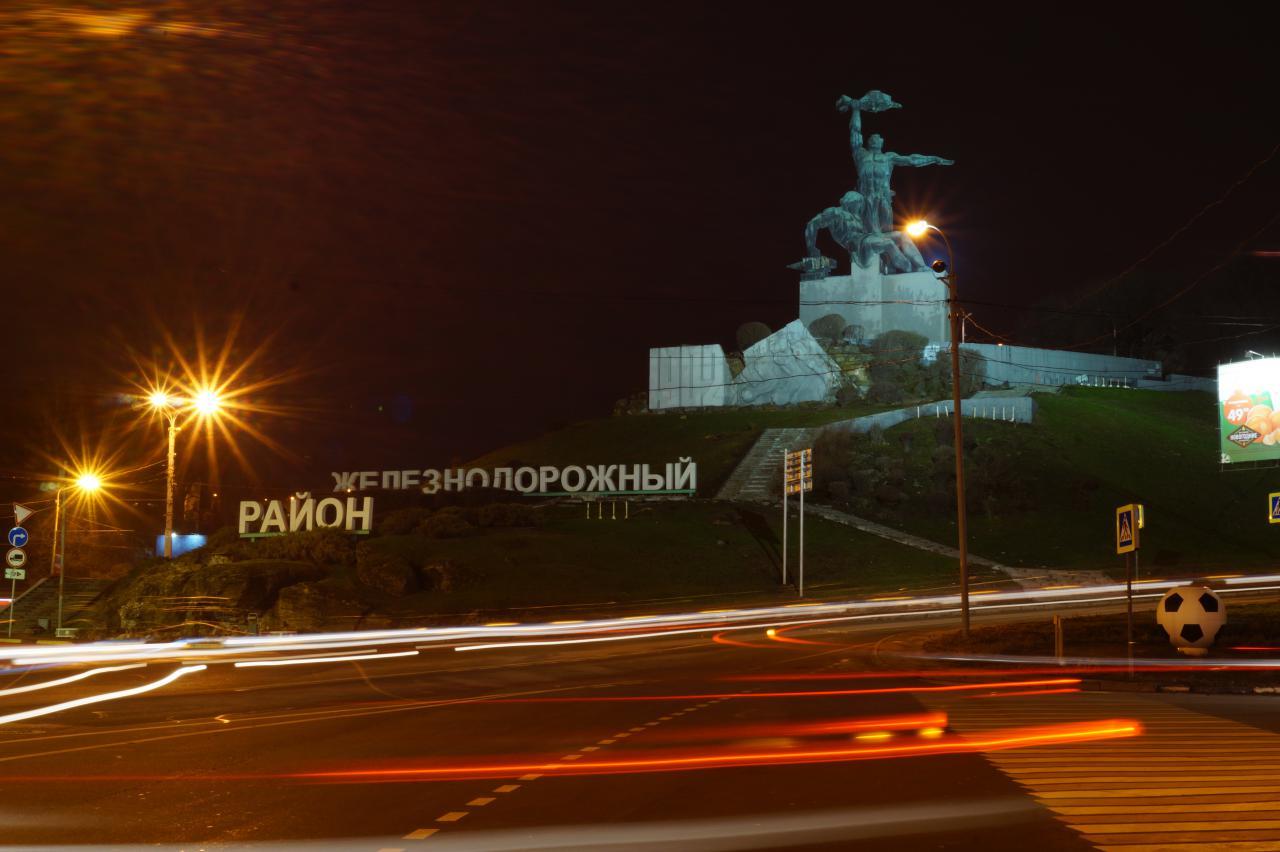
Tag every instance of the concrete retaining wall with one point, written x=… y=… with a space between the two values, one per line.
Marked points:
x=1017 y=409
x=1024 y=365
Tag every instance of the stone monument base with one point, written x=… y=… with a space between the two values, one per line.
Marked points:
x=874 y=303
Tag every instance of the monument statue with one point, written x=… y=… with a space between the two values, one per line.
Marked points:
x=863 y=223
x=894 y=251
x=874 y=164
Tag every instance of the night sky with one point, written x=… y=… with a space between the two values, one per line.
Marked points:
x=443 y=227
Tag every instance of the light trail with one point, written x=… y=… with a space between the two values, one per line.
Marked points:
x=1071 y=732
x=821 y=693
x=574 y=632
x=48 y=684
x=673 y=761
x=97 y=699
x=828 y=727
x=301 y=661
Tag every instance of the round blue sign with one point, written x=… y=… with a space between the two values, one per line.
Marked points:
x=18 y=537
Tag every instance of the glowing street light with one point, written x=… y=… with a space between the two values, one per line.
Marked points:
x=946 y=270
x=86 y=482
x=205 y=403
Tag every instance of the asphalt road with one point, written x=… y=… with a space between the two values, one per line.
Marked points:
x=339 y=755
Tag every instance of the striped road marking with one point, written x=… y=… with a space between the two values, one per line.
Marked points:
x=1190 y=782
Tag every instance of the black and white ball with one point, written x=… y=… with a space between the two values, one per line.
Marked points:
x=1191 y=617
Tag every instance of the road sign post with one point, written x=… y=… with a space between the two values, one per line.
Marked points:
x=786 y=465
x=1273 y=507
x=797 y=478
x=1129 y=520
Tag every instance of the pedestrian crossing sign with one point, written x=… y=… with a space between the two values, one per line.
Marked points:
x=1127 y=529
x=1273 y=500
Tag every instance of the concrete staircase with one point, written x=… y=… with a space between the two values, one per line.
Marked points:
x=42 y=603
x=752 y=481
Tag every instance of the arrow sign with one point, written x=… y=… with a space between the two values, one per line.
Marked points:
x=21 y=513
x=18 y=537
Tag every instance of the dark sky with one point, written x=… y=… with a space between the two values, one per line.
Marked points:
x=451 y=225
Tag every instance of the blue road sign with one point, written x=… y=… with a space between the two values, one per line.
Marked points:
x=1126 y=529
x=1274 y=502
x=18 y=537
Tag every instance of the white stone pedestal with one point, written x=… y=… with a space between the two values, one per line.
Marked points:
x=912 y=301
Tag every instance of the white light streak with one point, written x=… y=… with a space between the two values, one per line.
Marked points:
x=105 y=696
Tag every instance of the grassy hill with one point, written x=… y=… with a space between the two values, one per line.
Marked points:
x=1045 y=493
x=716 y=440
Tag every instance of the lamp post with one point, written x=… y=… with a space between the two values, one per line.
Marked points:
x=947 y=272
x=86 y=483
x=205 y=403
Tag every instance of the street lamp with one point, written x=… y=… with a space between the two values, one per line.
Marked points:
x=205 y=403
x=947 y=273
x=85 y=483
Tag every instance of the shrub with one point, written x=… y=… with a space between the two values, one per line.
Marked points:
x=403 y=521
x=506 y=515
x=751 y=333
x=321 y=547
x=828 y=329
x=383 y=569
x=897 y=375
x=444 y=524
x=847 y=395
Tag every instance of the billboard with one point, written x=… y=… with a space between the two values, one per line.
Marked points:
x=1249 y=411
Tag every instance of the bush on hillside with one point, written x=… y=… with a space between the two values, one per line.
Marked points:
x=446 y=524
x=751 y=333
x=828 y=329
x=897 y=376
x=320 y=547
x=505 y=515
x=403 y=521
x=384 y=570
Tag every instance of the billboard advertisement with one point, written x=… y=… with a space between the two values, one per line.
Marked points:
x=1249 y=411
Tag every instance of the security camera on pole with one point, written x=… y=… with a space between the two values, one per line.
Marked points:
x=797 y=478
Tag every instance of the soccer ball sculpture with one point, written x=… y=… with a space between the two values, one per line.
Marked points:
x=1191 y=617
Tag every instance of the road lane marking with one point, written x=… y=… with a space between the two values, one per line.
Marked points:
x=608 y=741
x=451 y=816
x=533 y=776
x=479 y=801
x=571 y=757
x=506 y=788
x=622 y=735
x=421 y=834
x=589 y=748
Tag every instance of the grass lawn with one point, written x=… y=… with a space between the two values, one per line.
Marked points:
x=1088 y=451
x=715 y=440
x=664 y=551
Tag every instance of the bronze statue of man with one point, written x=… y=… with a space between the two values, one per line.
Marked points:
x=874 y=164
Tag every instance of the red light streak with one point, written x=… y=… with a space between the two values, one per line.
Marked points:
x=828 y=727
x=992 y=741
x=1026 y=692
x=778 y=636
x=721 y=639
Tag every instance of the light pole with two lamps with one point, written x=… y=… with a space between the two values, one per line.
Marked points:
x=205 y=403
x=946 y=271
